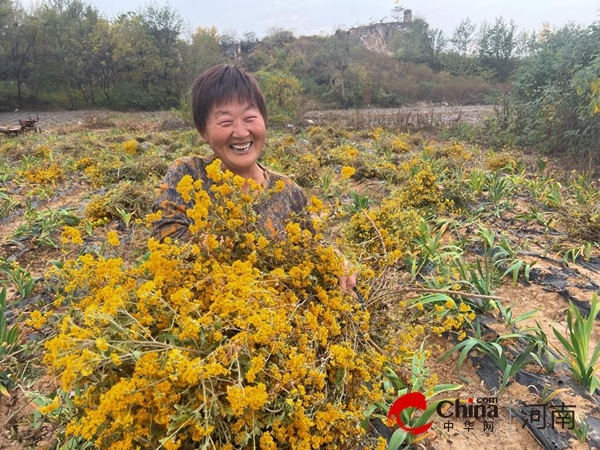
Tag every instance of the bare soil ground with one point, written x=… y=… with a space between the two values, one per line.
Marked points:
x=419 y=115
x=51 y=120
x=415 y=116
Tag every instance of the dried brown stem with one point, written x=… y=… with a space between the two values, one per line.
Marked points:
x=376 y=231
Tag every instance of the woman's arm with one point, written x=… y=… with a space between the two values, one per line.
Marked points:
x=174 y=222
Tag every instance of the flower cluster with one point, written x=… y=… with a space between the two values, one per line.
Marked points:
x=130 y=146
x=347 y=172
x=233 y=340
x=421 y=189
x=98 y=208
x=43 y=151
x=501 y=160
x=386 y=231
x=376 y=133
x=344 y=154
x=454 y=151
x=94 y=174
x=399 y=145
x=84 y=163
x=49 y=174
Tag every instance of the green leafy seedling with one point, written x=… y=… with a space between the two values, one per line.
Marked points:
x=577 y=347
x=8 y=336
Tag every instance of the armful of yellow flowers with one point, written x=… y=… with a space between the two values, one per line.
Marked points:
x=346 y=281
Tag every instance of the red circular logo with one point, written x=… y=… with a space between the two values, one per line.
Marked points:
x=412 y=400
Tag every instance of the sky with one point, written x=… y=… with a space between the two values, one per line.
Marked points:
x=310 y=17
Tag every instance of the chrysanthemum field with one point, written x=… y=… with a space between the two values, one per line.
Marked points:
x=479 y=272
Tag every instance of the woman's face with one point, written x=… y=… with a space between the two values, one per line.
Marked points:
x=236 y=132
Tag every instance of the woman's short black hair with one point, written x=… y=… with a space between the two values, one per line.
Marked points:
x=220 y=85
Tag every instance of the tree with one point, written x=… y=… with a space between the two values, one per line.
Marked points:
x=101 y=67
x=398 y=13
x=137 y=56
x=228 y=40
x=525 y=43
x=462 y=38
x=437 y=43
x=249 y=40
x=20 y=41
x=67 y=27
x=282 y=93
x=411 y=44
x=359 y=85
x=496 y=44
x=278 y=38
x=556 y=96
x=164 y=25
x=336 y=57
x=6 y=17
x=204 y=51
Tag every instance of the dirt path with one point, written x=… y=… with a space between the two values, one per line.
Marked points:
x=413 y=116
x=50 y=120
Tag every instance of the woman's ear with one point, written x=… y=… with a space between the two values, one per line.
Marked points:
x=204 y=136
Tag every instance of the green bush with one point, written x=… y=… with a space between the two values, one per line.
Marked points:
x=556 y=93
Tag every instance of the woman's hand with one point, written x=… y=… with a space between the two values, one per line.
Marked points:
x=347 y=281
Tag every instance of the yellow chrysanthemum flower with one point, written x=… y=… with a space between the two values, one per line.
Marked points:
x=113 y=238
x=347 y=172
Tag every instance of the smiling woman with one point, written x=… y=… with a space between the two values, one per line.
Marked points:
x=236 y=133
x=230 y=113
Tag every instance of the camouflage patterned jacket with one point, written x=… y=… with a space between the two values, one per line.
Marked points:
x=273 y=210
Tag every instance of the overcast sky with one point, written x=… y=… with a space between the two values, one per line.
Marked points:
x=308 y=17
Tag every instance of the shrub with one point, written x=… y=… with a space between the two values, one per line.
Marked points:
x=45 y=174
x=582 y=221
x=454 y=151
x=99 y=208
x=130 y=146
x=499 y=161
x=127 y=196
x=423 y=187
x=143 y=168
x=386 y=232
x=282 y=92
x=555 y=97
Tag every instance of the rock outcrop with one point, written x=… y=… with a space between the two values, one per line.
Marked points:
x=377 y=37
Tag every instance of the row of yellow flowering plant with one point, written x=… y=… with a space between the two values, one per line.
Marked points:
x=233 y=340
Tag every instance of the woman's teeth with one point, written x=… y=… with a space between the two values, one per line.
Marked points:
x=241 y=148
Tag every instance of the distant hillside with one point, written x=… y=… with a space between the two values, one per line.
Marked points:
x=147 y=60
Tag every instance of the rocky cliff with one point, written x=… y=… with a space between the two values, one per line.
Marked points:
x=377 y=37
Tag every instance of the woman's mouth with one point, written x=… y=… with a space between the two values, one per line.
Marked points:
x=241 y=148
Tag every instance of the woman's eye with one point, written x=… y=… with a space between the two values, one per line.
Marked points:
x=225 y=123
x=250 y=119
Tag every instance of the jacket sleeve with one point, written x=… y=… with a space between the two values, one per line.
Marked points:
x=299 y=203
x=174 y=222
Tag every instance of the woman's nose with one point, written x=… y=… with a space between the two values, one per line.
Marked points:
x=240 y=129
